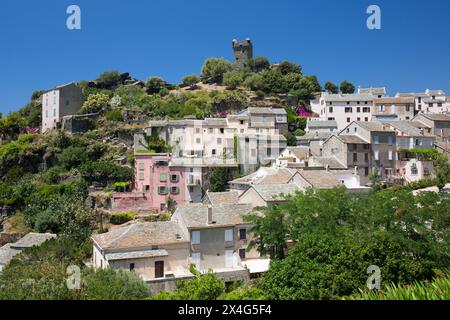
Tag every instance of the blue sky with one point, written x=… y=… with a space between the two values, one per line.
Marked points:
x=170 y=39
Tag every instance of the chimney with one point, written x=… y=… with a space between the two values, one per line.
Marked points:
x=210 y=212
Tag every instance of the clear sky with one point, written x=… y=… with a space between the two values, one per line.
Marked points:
x=170 y=39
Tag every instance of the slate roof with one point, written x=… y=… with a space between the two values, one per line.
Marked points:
x=348 y=97
x=141 y=235
x=409 y=129
x=266 y=176
x=320 y=179
x=331 y=162
x=436 y=116
x=374 y=91
x=32 y=239
x=351 y=139
x=373 y=126
x=222 y=198
x=195 y=215
x=7 y=253
x=315 y=136
x=136 y=254
x=399 y=100
x=322 y=124
x=275 y=192
x=300 y=152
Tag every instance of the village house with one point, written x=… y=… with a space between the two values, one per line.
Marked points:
x=61 y=101
x=431 y=101
x=344 y=108
x=436 y=124
x=161 y=253
x=314 y=141
x=393 y=109
x=293 y=157
x=9 y=250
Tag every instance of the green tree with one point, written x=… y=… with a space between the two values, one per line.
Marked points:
x=114 y=115
x=72 y=157
x=191 y=81
x=95 y=103
x=258 y=64
x=232 y=79
x=287 y=67
x=291 y=139
x=214 y=69
x=219 y=179
x=109 y=80
x=331 y=87
x=109 y=284
x=155 y=85
x=347 y=87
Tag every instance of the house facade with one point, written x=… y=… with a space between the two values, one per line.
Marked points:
x=393 y=109
x=59 y=102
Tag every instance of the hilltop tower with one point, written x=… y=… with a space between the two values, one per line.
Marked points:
x=243 y=51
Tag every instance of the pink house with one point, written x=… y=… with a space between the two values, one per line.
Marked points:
x=160 y=183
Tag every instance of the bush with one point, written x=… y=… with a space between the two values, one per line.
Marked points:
x=232 y=79
x=114 y=115
x=214 y=69
x=109 y=80
x=95 y=103
x=155 y=85
x=72 y=157
x=190 y=81
x=121 y=218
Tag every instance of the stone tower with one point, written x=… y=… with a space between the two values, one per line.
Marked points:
x=243 y=51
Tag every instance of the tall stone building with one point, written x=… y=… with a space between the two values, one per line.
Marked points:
x=243 y=51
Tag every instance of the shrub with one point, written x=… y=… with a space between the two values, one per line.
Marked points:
x=214 y=69
x=95 y=103
x=72 y=157
x=114 y=115
x=121 y=218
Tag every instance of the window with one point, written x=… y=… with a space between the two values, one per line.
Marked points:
x=162 y=177
x=390 y=140
x=330 y=119
x=376 y=139
x=355 y=157
x=407 y=108
x=229 y=258
x=141 y=176
x=198 y=140
x=414 y=171
x=67 y=102
x=46 y=113
x=330 y=109
x=211 y=130
x=228 y=235
x=196 y=259
x=366 y=109
x=242 y=234
x=174 y=190
x=197 y=130
x=348 y=110
x=366 y=157
x=159 y=269
x=162 y=190
x=174 y=178
x=348 y=120
x=366 y=171
x=54 y=112
x=358 y=109
x=366 y=147
x=242 y=122
x=242 y=253
x=390 y=155
x=359 y=119
x=213 y=152
x=195 y=237
x=141 y=166
x=348 y=102
x=219 y=140
x=331 y=103
x=131 y=266
x=377 y=155
x=381 y=108
x=222 y=130
x=366 y=119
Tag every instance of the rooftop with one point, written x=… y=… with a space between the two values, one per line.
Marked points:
x=315 y=136
x=348 y=97
x=408 y=128
x=266 y=175
x=275 y=192
x=136 y=254
x=7 y=253
x=373 y=126
x=330 y=162
x=322 y=124
x=351 y=139
x=399 y=100
x=374 y=91
x=320 y=179
x=32 y=239
x=435 y=116
x=195 y=215
x=222 y=198
x=301 y=153
x=141 y=235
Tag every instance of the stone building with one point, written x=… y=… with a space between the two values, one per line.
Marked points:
x=243 y=51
